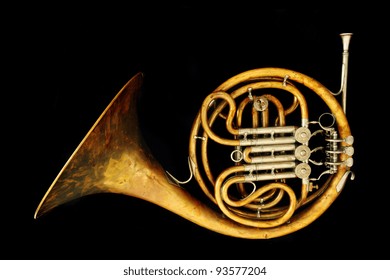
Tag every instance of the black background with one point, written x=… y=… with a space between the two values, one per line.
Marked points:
x=68 y=62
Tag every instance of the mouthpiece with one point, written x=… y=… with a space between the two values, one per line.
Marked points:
x=346 y=37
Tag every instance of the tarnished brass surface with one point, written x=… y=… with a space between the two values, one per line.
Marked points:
x=113 y=158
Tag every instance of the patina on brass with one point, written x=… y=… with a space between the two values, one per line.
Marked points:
x=268 y=190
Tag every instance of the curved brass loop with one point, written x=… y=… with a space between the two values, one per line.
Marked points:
x=288 y=189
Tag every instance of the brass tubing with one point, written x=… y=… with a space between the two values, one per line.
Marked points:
x=298 y=77
x=221 y=197
x=113 y=158
x=327 y=190
x=232 y=108
x=269 y=84
x=281 y=119
x=229 y=118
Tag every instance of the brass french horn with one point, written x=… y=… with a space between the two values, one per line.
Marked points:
x=275 y=172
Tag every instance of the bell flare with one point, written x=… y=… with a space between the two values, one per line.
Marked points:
x=114 y=134
x=113 y=158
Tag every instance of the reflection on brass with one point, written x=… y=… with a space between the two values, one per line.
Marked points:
x=277 y=170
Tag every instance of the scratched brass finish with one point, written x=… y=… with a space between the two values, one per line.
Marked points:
x=268 y=181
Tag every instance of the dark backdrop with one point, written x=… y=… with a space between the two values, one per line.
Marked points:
x=69 y=62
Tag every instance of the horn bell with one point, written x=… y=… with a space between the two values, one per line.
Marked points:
x=113 y=158
x=283 y=174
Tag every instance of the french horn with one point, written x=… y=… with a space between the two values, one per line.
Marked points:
x=266 y=167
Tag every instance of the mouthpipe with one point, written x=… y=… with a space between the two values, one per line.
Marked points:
x=346 y=38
